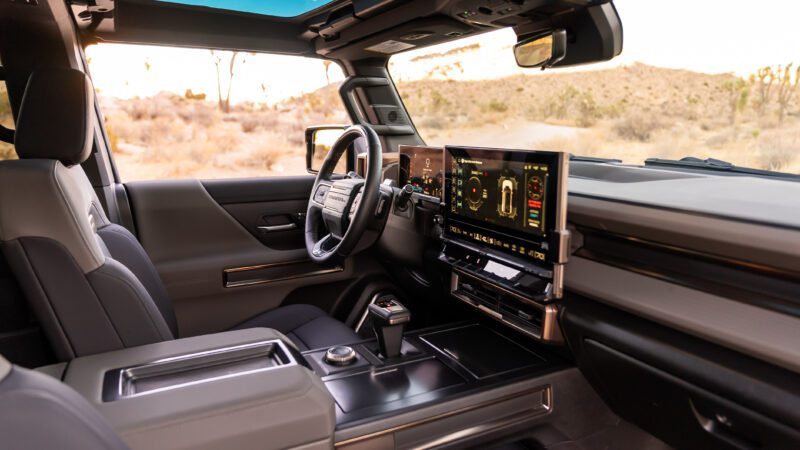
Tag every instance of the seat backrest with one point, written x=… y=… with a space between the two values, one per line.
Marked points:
x=89 y=282
x=38 y=411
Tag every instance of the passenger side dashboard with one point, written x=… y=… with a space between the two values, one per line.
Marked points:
x=681 y=305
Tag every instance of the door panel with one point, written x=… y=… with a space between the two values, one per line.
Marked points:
x=194 y=235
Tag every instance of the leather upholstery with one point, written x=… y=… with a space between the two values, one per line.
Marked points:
x=56 y=120
x=125 y=248
x=90 y=283
x=38 y=411
x=58 y=203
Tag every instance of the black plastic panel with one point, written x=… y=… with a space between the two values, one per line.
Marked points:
x=686 y=391
x=394 y=384
x=678 y=412
x=482 y=351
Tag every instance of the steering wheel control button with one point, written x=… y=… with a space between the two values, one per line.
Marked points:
x=340 y=355
x=322 y=192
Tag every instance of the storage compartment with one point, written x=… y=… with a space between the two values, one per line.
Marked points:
x=397 y=383
x=482 y=351
x=195 y=368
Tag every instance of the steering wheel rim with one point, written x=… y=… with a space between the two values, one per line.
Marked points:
x=343 y=207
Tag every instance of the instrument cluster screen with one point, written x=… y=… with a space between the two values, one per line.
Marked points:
x=502 y=199
x=422 y=168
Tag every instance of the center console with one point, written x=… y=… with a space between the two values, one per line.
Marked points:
x=443 y=382
x=503 y=228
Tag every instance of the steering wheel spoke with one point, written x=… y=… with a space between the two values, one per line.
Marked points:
x=325 y=246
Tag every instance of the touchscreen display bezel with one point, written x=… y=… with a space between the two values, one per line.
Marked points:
x=555 y=204
x=407 y=152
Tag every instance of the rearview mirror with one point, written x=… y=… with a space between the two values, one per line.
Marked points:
x=319 y=140
x=543 y=50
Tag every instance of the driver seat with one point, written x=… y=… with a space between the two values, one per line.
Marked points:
x=90 y=282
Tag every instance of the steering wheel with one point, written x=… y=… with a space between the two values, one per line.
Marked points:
x=345 y=206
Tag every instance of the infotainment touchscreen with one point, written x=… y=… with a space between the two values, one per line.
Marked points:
x=507 y=200
x=421 y=167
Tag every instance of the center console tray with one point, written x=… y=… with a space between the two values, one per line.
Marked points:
x=482 y=351
x=171 y=373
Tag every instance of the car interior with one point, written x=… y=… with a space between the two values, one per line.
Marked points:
x=421 y=297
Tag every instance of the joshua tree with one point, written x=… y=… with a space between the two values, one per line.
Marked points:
x=738 y=92
x=327 y=64
x=787 y=88
x=225 y=103
x=763 y=80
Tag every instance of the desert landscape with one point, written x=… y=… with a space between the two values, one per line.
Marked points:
x=629 y=113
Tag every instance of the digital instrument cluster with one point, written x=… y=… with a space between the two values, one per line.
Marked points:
x=422 y=168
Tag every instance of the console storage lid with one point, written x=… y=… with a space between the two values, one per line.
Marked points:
x=243 y=403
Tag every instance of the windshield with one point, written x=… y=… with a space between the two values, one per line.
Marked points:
x=709 y=90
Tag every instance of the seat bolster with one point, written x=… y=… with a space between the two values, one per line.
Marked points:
x=123 y=246
x=133 y=313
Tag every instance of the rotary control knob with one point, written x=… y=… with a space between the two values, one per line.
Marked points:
x=340 y=355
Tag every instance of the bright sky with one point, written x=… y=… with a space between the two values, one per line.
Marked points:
x=710 y=36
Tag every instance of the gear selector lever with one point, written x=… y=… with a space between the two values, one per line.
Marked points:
x=389 y=318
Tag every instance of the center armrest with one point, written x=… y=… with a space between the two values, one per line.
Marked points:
x=238 y=389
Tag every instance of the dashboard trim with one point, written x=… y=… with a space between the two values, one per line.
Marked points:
x=684 y=267
x=758 y=332
x=776 y=247
x=683 y=211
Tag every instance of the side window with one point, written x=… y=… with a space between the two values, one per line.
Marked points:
x=192 y=113
x=6 y=120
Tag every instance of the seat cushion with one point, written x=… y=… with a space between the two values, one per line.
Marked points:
x=307 y=326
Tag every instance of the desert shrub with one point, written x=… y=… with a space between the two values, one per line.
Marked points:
x=200 y=114
x=779 y=150
x=250 y=124
x=113 y=139
x=432 y=123
x=497 y=106
x=588 y=111
x=264 y=156
x=189 y=95
x=637 y=126
x=438 y=101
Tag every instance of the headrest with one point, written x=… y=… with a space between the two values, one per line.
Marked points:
x=55 y=119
